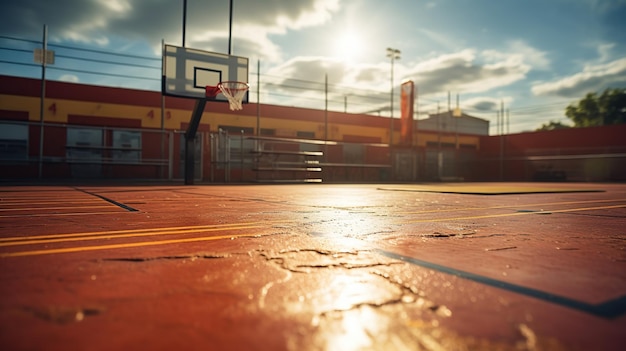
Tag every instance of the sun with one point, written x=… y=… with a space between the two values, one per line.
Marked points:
x=348 y=46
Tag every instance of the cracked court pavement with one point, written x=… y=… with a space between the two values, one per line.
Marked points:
x=225 y=270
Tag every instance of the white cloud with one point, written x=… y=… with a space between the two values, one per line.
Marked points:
x=461 y=58
x=604 y=6
x=520 y=53
x=462 y=71
x=604 y=51
x=101 y=22
x=69 y=78
x=315 y=13
x=592 y=78
x=116 y=5
x=536 y=58
x=484 y=103
x=301 y=82
x=440 y=39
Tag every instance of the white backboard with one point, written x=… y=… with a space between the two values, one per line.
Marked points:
x=186 y=72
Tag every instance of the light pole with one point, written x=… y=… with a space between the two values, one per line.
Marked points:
x=393 y=54
x=345 y=103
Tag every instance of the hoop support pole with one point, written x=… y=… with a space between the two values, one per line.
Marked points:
x=190 y=140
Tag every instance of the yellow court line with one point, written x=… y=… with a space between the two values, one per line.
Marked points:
x=122 y=236
x=48 y=202
x=53 y=208
x=211 y=238
x=122 y=246
x=45 y=197
x=515 y=214
x=142 y=230
x=512 y=206
x=33 y=215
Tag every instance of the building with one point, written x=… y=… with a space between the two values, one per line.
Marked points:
x=447 y=123
x=80 y=131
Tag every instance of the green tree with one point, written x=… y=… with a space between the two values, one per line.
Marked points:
x=552 y=125
x=594 y=110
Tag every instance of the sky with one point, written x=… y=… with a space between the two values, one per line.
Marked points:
x=530 y=57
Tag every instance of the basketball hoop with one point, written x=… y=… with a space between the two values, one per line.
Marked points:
x=212 y=91
x=233 y=90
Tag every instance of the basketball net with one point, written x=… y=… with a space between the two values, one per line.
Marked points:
x=234 y=92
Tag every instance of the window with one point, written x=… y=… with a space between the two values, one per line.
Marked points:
x=353 y=153
x=240 y=149
x=435 y=144
x=126 y=146
x=268 y=132
x=237 y=130
x=306 y=135
x=468 y=146
x=13 y=142
x=84 y=144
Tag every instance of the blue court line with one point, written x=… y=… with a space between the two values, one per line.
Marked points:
x=609 y=309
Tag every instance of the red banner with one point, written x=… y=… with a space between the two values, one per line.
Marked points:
x=407 y=99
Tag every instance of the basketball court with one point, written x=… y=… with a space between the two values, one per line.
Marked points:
x=313 y=267
x=308 y=267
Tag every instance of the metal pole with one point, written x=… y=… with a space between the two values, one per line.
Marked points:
x=416 y=118
x=184 y=19
x=162 y=135
x=456 y=124
x=230 y=29
x=501 y=118
x=456 y=140
x=190 y=141
x=393 y=54
x=170 y=152
x=44 y=58
x=391 y=106
x=241 y=156
x=162 y=119
x=439 y=154
x=502 y=115
x=497 y=122
x=508 y=121
x=502 y=141
x=325 y=117
x=326 y=106
x=258 y=98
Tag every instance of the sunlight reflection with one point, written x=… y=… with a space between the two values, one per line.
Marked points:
x=350 y=291
x=345 y=197
x=355 y=330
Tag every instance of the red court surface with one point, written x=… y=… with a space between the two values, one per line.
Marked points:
x=497 y=266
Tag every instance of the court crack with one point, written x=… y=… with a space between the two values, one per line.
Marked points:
x=63 y=314
x=438 y=234
x=191 y=257
x=411 y=294
x=308 y=260
x=407 y=294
